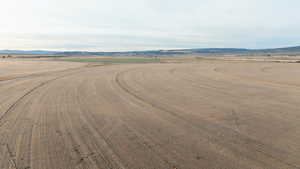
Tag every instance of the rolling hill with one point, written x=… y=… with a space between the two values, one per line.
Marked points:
x=158 y=52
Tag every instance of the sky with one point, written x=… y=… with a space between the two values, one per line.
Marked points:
x=122 y=25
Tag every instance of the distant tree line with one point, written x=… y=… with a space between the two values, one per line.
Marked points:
x=8 y=56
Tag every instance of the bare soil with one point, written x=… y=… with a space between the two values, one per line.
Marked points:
x=206 y=115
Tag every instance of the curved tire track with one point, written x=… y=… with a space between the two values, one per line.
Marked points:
x=268 y=151
x=11 y=107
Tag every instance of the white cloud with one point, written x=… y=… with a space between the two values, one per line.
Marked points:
x=144 y=24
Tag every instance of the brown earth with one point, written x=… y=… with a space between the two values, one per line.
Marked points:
x=14 y=68
x=207 y=115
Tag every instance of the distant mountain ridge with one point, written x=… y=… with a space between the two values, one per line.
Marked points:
x=157 y=52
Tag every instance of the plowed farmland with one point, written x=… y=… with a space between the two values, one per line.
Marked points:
x=205 y=115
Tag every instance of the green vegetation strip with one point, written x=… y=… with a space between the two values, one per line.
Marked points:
x=113 y=60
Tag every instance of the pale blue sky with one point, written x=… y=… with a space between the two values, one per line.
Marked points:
x=118 y=25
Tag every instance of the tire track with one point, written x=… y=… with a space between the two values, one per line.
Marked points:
x=142 y=139
x=268 y=82
x=17 y=102
x=260 y=147
x=12 y=106
x=150 y=116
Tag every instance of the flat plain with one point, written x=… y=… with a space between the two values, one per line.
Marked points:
x=187 y=115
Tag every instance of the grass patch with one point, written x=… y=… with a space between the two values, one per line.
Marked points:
x=113 y=60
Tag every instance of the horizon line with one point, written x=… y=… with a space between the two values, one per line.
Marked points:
x=154 y=49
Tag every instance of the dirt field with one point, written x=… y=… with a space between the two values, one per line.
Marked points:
x=12 y=68
x=206 y=115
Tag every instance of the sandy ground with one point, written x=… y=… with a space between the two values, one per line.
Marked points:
x=11 y=68
x=207 y=115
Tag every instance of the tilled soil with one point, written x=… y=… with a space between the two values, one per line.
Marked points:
x=208 y=115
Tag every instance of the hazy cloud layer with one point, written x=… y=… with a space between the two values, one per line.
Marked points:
x=148 y=24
